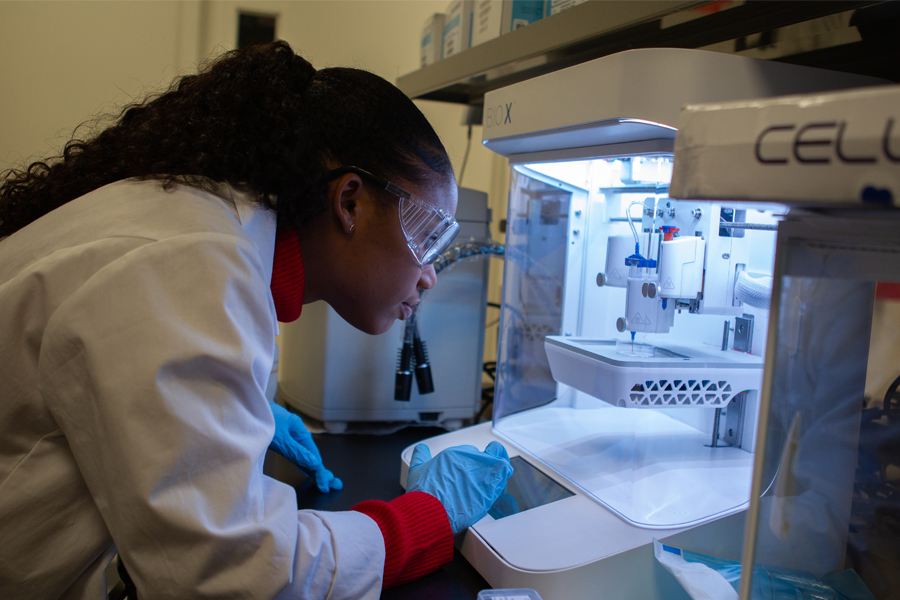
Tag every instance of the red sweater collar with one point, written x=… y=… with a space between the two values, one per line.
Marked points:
x=288 y=276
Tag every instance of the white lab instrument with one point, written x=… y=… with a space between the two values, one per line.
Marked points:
x=681 y=267
x=628 y=369
x=618 y=248
x=339 y=375
x=825 y=500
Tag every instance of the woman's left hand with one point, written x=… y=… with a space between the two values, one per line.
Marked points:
x=466 y=480
x=294 y=442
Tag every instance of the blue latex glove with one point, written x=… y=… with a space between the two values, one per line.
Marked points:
x=294 y=442
x=505 y=506
x=465 y=480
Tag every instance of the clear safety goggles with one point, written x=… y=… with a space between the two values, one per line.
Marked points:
x=428 y=230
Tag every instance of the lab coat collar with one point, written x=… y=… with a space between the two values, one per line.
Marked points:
x=257 y=220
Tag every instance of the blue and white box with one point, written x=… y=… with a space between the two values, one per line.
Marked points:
x=519 y=13
x=556 y=6
x=432 y=44
x=458 y=27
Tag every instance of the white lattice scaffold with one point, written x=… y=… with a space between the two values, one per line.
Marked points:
x=674 y=376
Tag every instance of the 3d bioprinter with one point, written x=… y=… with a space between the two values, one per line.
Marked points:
x=664 y=363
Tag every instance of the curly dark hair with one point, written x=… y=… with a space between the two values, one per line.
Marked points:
x=261 y=119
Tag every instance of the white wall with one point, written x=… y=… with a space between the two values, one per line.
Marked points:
x=378 y=36
x=64 y=62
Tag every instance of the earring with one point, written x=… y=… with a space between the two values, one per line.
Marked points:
x=352 y=225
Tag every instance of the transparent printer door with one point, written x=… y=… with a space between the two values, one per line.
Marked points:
x=828 y=470
x=632 y=336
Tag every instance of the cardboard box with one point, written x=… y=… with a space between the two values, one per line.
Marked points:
x=458 y=27
x=432 y=42
x=519 y=13
x=487 y=19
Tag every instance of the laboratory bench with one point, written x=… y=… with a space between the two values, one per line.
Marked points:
x=369 y=466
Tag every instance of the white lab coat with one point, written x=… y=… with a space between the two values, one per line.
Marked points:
x=136 y=339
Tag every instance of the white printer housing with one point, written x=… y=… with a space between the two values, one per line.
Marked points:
x=610 y=432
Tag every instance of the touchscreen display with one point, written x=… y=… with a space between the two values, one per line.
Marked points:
x=526 y=489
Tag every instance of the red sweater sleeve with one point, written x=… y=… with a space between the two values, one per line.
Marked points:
x=417 y=535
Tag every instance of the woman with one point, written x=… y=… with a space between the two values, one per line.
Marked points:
x=139 y=288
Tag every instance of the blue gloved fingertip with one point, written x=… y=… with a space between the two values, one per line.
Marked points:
x=497 y=449
x=421 y=454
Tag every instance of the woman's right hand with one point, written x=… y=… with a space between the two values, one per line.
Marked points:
x=466 y=480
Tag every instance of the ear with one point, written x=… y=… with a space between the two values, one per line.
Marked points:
x=344 y=198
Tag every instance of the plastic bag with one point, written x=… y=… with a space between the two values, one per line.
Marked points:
x=709 y=578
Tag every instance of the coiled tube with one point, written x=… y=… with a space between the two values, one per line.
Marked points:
x=454 y=254
x=413 y=355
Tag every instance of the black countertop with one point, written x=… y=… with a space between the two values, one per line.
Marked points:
x=369 y=466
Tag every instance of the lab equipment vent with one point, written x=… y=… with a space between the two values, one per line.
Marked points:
x=254 y=28
x=663 y=393
x=684 y=376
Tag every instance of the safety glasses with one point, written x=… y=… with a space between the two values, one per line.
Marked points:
x=428 y=230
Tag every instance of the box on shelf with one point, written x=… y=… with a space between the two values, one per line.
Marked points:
x=554 y=6
x=519 y=13
x=487 y=18
x=458 y=27
x=432 y=44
